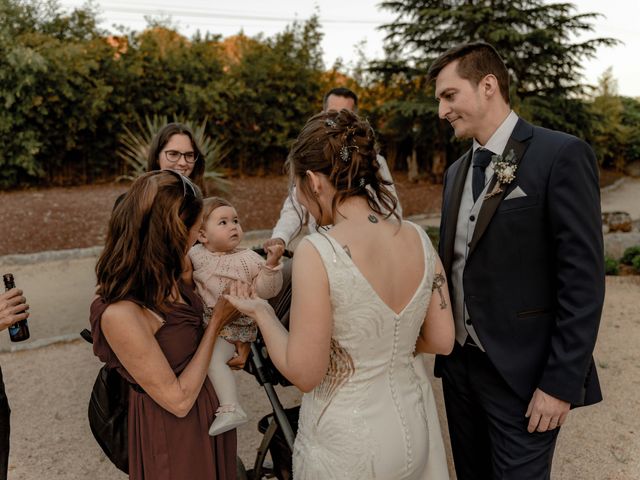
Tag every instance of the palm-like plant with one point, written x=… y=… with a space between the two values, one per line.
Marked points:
x=134 y=149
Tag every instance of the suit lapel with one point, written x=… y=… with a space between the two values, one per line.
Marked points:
x=452 y=210
x=518 y=143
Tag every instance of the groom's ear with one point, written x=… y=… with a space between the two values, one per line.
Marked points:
x=489 y=85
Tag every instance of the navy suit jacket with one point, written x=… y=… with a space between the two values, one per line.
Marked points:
x=534 y=276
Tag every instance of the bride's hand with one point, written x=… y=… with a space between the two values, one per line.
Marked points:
x=223 y=312
x=244 y=298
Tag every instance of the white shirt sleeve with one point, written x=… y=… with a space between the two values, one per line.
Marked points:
x=386 y=174
x=293 y=215
x=291 y=218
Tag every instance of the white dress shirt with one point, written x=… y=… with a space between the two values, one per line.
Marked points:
x=467 y=219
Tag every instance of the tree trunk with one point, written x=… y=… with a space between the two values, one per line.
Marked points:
x=412 y=166
x=438 y=165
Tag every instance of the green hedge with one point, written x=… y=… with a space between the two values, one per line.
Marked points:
x=67 y=91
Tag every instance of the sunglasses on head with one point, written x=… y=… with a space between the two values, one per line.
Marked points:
x=187 y=184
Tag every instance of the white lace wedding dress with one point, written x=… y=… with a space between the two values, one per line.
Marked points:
x=373 y=415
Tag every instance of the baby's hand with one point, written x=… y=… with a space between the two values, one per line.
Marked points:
x=273 y=241
x=274 y=252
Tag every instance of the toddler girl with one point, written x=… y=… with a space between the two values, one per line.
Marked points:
x=217 y=261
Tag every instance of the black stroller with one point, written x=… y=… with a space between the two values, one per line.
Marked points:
x=280 y=426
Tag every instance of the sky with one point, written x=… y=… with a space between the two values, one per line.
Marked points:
x=349 y=25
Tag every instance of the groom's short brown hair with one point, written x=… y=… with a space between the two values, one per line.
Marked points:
x=476 y=60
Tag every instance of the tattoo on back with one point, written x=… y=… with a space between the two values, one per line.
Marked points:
x=438 y=282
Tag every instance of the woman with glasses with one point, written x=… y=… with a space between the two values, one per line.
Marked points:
x=174 y=148
x=148 y=325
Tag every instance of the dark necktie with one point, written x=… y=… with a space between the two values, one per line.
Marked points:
x=481 y=159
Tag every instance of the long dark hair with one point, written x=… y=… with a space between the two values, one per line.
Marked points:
x=147 y=239
x=342 y=146
x=160 y=141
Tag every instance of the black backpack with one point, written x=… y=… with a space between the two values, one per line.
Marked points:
x=108 y=413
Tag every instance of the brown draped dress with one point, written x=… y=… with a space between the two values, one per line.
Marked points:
x=161 y=445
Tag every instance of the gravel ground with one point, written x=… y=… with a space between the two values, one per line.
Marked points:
x=48 y=389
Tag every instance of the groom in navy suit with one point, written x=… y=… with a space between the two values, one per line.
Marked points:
x=521 y=242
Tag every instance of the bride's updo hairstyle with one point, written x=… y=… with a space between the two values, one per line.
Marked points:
x=341 y=146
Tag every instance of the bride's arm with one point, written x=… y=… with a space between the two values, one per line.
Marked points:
x=437 y=334
x=302 y=353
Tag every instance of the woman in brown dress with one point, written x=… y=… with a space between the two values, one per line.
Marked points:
x=148 y=324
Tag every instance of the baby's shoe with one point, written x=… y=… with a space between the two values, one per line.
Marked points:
x=227 y=418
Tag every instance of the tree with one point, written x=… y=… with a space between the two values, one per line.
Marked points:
x=536 y=40
x=273 y=87
x=611 y=136
x=631 y=119
x=69 y=91
x=533 y=37
x=50 y=93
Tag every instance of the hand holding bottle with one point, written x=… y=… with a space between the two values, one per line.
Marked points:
x=12 y=308
x=14 y=311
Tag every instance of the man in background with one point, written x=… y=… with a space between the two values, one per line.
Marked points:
x=292 y=214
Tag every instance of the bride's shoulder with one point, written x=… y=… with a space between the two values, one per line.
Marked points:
x=310 y=256
x=313 y=244
x=410 y=229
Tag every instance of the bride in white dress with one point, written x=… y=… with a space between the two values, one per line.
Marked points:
x=367 y=296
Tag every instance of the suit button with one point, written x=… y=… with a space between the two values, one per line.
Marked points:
x=472 y=218
x=468 y=322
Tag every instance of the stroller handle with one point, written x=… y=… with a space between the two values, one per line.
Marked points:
x=278 y=409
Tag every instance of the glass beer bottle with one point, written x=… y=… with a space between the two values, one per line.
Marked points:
x=19 y=331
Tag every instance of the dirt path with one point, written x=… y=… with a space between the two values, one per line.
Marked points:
x=624 y=196
x=48 y=389
x=77 y=217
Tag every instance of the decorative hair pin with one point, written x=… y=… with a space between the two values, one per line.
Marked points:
x=345 y=155
x=329 y=122
x=362 y=182
x=345 y=152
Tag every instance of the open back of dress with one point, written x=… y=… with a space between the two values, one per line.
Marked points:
x=370 y=416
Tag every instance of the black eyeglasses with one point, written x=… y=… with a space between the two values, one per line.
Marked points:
x=173 y=156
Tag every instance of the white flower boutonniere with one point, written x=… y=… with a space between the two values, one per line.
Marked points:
x=505 y=170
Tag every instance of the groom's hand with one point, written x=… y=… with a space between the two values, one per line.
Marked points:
x=546 y=412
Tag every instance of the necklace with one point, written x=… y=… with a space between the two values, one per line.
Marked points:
x=372 y=218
